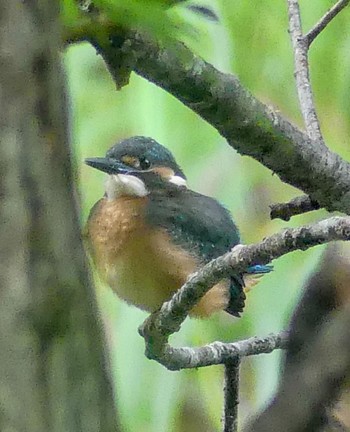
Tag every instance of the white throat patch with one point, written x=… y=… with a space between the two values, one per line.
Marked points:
x=124 y=185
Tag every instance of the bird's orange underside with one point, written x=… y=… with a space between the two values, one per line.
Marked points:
x=140 y=263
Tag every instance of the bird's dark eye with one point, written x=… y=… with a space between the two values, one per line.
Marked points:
x=144 y=163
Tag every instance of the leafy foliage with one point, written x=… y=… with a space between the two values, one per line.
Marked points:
x=158 y=18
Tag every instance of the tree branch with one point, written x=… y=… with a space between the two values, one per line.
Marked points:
x=160 y=325
x=54 y=373
x=302 y=76
x=321 y=297
x=296 y=206
x=301 y=46
x=231 y=396
x=217 y=352
x=249 y=126
x=318 y=356
x=328 y=357
x=325 y=20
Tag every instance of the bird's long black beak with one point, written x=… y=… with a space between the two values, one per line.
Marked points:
x=110 y=166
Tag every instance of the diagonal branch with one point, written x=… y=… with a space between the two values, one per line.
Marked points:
x=248 y=125
x=325 y=20
x=160 y=325
x=301 y=71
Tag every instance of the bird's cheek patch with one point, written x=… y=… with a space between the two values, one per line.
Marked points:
x=169 y=175
x=179 y=181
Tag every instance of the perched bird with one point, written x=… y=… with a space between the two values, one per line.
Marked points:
x=150 y=232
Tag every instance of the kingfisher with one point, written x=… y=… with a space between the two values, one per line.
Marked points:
x=149 y=232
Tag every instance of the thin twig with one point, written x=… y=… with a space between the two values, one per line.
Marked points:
x=325 y=20
x=301 y=72
x=160 y=325
x=231 y=396
x=296 y=206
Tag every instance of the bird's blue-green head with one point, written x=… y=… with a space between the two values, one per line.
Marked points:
x=136 y=165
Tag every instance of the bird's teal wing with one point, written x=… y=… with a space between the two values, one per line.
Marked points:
x=203 y=227
x=200 y=225
x=196 y=222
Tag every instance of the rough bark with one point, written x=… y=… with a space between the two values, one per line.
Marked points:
x=325 y=20
x=231 y=396
x=299 y=205
x=249 y=126
x=53 y=374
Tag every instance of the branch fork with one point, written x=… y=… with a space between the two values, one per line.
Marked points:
x=157 y=328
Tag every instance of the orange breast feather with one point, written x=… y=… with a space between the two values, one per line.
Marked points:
x=139 y=262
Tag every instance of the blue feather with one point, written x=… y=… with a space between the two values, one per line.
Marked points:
x=259 y=268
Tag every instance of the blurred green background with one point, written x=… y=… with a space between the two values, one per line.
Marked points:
x=251 y=41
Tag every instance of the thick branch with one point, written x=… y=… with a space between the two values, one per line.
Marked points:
x=302 y=76
x=249 y=126
x=157 y=328
x=296 y=206
x=322 y=368
x=325 y=20
x=54 y=374
x=318 y=358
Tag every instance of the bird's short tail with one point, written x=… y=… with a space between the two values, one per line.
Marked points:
x=241 y=284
